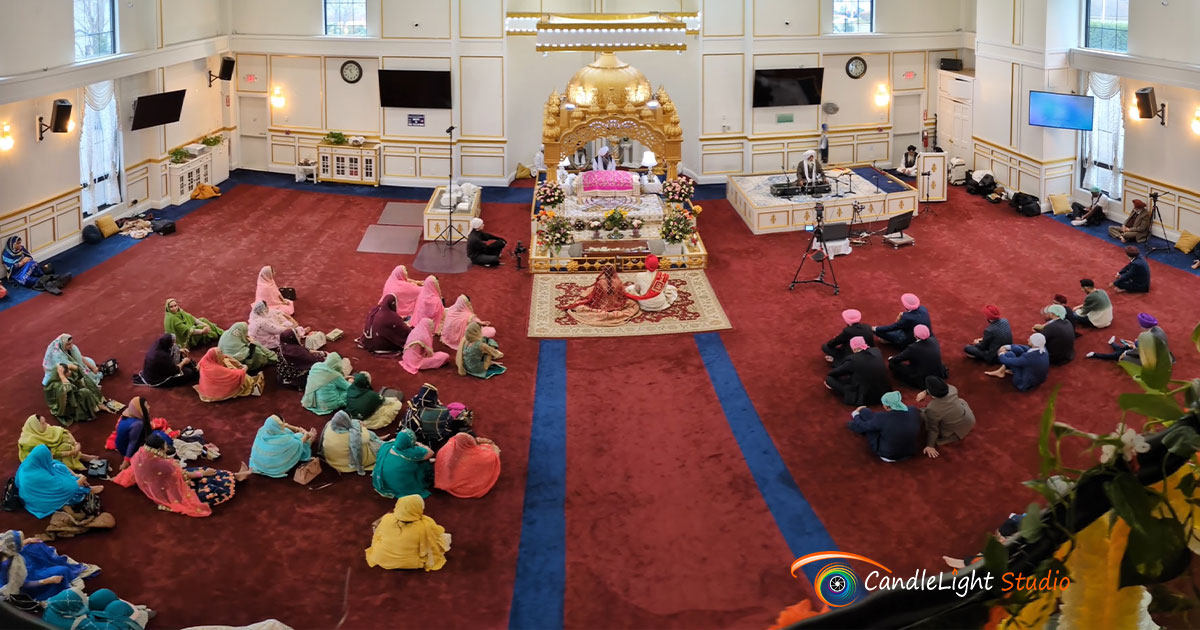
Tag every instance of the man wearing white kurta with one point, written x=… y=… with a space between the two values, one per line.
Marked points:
x=651 y=288
x=603 y=162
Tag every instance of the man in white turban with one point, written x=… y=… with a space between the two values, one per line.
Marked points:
x=603 y=161
x=809 y=170
x=483 y=248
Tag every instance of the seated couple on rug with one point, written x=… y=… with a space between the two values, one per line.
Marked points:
x=609 y=303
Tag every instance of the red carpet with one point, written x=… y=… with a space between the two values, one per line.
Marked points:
x=665 y=526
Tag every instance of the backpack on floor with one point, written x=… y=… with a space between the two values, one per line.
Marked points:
x=92 y=235
x=163 y=226
x=11 y=501
x=1026 y=204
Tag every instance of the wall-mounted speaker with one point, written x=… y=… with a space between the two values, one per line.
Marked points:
x=226 y=71
x=1148 y=106
x=60 y=116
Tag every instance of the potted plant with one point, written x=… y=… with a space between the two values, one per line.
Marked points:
x=595 y=224
x=554 y=232
x=636 y=224
x=213 y=140
x=335 y=137
x=179 y=156
x=549 y=194
x=677 y=227
x=678 y=190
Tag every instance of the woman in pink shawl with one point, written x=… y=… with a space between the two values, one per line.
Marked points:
x=405 y=289
x=430 y=304
x=460 y=315
x=467 y=467
x=187 y=491
x=268 y=292
x=418 y=350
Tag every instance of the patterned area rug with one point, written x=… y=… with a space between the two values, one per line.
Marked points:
x=696 y=310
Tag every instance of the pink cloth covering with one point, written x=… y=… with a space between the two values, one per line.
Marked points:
x=266 y=324
x=161 y=479
x=268 y=292
x=466 y=468
x=429 y=305
x=607 y=181
x=418 y=349
x=405 y=290
x=458 y=317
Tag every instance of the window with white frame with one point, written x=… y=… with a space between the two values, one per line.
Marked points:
x=1103 y=150
x=853 y=16
x=346 y=18
x=1107 y=25
x=95 y=30
x=99 y=149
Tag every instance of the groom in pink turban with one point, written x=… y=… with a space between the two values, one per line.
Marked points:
x=900 y=333
x=838 y=348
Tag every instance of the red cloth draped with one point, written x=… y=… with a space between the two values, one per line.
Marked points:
x=162 y=479
x=606 y=294
x=465 y=468
x=218 y=381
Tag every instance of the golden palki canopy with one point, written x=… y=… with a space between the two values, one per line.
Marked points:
x=608 y=98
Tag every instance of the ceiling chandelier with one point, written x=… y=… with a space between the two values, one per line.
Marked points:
x=606 y=31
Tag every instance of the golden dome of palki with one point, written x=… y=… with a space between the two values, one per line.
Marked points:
x=608 y=80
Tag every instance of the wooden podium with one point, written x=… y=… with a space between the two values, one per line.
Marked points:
x=933 y=187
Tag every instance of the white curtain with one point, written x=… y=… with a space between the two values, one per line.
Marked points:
x=1106 y=142
x=100 y=147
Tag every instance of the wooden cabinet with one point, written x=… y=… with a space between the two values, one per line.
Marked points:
x=183 y=178
x=954 y=126
x=348 y=165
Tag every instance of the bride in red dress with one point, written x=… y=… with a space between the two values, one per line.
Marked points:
x=605 y=304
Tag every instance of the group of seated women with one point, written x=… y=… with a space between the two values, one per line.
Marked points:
x=410 y=313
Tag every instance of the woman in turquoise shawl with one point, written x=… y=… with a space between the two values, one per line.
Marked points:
x=189 y=331
x=477 y=355
x=403 y=467
x=71 y=382
x=46 y=485
x=236 y=343
x=279 y=446
x=325 y=391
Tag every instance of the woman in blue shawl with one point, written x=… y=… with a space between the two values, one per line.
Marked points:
x=70 y=382
x=279 y=446
x=403 y=467
x=26 y=271
x=46 y=485
x=34 y=568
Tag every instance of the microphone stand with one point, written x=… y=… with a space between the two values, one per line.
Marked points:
x=928 y=208
x=448 y=234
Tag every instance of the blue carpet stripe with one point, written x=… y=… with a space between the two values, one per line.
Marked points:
x=800 y=526
x=885 y=183
x=538 y=592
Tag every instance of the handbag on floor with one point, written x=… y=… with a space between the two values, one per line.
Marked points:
x=307 y=471
x=109 y=367
x=12 y=501
x=98 y=468
x=163 y=226
x=288 y=293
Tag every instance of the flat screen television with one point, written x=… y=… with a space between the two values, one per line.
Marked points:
x=1060 y=111
x=786 y=87
x=414 y=89
x=152 y=110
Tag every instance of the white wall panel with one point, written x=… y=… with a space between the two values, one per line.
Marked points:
x=914 y=16
x=786 y=18
x=188 y=20
x=416 y=19
x=137 y=25
x=724 y=81
x=908 y=71
x=201 y=105
x=480 y=18
x=299 y=79
x=352 y=107
x=252 y=72
x=482 y=96
x=36 y=35
x=993 y=101
x=994 y=21
x=723 y=18
x=855 y=97
x=278 y=17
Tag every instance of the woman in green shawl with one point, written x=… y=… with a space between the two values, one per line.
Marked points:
x=402 y=467
x=61 y=443
x=190 y=332
x=235 y=343
x=71 y=383
x=374 y=409
x=477 y=355
x=325 y=391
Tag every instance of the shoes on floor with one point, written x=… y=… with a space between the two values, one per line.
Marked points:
x=1078 y=222
x=1091 y=355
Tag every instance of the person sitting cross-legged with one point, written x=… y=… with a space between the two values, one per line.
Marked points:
x=1060 y=334
x=1136 y=227
x=838 y=348
x=900 y=333
x=862 y=377
x=997 y=334
x=1126 y=350
x=947 y=417
x=484 y=248
x=920 y=359
x=894 y=434
x=1029 y=365
x=652 y=289
x=1093 y=214
x=1134 y=277
x=1096 y=310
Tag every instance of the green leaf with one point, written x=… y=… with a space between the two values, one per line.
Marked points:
x=1156 y=361
x=1042 y=488
x=1135 y=372
x=1187 y=485
x=1181 y=440
x=1191 y=394
x=1157 y=552
x=1196 y=337
x=1049 y=461
x=1159 y=406
x=1130 y=500
x=1031 y=524
x=995 y=556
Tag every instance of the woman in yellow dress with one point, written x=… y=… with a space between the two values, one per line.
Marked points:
x=61 y=443
x=407 y=539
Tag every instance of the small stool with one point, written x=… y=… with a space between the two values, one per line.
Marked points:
x=306 y=172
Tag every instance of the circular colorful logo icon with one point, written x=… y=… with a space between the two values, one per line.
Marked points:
x=837 y=585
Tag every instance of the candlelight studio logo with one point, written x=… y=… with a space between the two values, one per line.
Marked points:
x=837 y=584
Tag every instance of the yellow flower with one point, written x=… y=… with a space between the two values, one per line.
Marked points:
x=550 y=213
x=696 y=209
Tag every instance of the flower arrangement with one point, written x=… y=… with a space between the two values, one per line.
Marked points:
x=636 y=224
x=335 y=137
x=580 y=225
x=550 y=194
x=677 y=226
x=554 y=232
x=678 y=190
x=615 y=219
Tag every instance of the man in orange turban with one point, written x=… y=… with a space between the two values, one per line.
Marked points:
x=652 y=288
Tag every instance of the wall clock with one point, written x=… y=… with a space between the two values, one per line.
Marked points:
x=856 y=67
x=351 y=72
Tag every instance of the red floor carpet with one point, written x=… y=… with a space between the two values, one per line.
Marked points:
x=665 y=525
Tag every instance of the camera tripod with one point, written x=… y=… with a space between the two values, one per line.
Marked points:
x=1156 y=215
x=821 y=256
x=927 y=209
